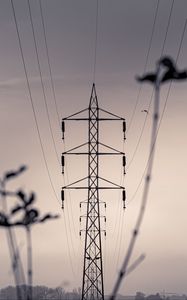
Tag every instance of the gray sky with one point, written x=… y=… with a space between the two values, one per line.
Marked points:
x=124 y=31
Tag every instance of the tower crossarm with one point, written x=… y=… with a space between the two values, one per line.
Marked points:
x=113 y=117
x=71 y=151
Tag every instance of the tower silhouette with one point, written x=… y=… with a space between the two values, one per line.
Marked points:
x=92 y=282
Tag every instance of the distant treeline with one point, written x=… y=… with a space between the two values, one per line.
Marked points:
x=157 y=296
x=39 y=293
x=58 y=293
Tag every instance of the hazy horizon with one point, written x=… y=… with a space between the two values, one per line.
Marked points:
x=124 y=32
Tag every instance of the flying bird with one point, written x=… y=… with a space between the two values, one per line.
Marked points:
x=145 y=110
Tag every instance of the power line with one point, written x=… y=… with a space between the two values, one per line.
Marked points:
x=119 y=235
x=41 y=79
x=52 y=81
x=58 y=116
x=49 y=63
x=120 y=240
x=167 y=29
x=69 y=252
x=141 y=134
x=163 y=111
x=47 y=110
x=145 y=66
x=31 y=100
x=37 y=126
x=178 y=53
x=146 y=118
x=96 y=37
x=149 y=169
x=157 y=84
x=119 y=220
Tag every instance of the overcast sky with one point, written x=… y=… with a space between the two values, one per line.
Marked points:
x=124 y=32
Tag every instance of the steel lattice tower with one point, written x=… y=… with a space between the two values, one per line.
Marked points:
x=93 y=270
x=92 y=283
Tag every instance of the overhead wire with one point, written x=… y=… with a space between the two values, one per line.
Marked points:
x=145 y=120
x=120 y=239
x=121 y=224
x=96 y=38
x=32 y=105
x=142 y=130
x=68 y=216
x=145 y=66
x=119 y=220
x=141 y=133
x=59 y=122
x=94 y=79
x=41 y=79
x=105 y=261
x=119 y=231
x=50 y=72
x=49 y=62
x=167 y=29
x=149 y=105
x=163 y=111
x=148 y=176
x=31 y=101
x=58 y=117
x=146 y=188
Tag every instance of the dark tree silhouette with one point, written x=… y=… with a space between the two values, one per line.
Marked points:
x=16 y=263
x=165 y=70
x=30 y=216
x=171 y=72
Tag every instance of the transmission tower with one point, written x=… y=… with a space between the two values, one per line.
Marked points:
x=92 y=283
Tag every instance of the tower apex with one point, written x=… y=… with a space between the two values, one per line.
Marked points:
x=93 y=97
